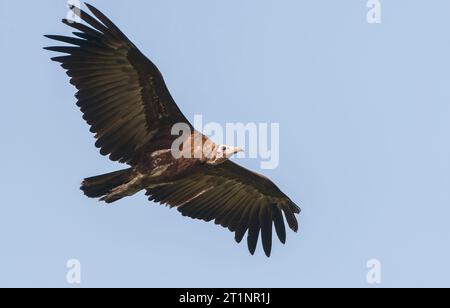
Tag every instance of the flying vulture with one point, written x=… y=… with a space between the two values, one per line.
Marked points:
x=128 y=107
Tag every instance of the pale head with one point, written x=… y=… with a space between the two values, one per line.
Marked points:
x=223 y=152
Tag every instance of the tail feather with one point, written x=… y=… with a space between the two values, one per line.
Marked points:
x=101 y=185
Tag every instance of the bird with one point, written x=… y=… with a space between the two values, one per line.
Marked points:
x=125 y=101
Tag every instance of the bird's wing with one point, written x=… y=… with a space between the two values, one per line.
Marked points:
x=121 y=93
x=234 y=198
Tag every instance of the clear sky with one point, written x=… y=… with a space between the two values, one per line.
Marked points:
x=364 y=113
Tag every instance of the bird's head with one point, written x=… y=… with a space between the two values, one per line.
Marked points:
x=222 y=153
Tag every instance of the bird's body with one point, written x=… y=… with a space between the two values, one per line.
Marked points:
x=125 y=101
x=158 y=164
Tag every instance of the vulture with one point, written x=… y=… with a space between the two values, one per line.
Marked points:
x=128 y=107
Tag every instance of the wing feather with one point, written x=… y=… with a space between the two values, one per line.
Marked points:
x=121 y=93
x=235 y=198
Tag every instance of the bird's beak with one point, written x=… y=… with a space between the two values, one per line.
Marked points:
x=238 y=150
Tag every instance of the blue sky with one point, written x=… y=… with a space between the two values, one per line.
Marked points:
x=364 y=117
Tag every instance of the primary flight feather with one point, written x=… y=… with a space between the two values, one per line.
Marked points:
x=124 y=99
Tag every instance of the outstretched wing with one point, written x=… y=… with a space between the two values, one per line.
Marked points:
x=121 y=93
x=234 y=198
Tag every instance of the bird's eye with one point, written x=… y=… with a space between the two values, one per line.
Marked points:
x=224 y=148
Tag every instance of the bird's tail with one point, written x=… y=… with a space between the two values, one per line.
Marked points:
x=102 y=185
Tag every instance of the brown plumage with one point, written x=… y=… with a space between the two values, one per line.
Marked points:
x=124 y=99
